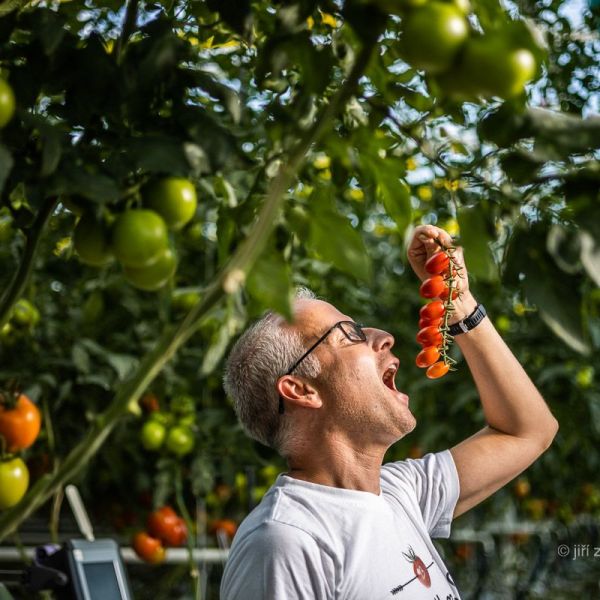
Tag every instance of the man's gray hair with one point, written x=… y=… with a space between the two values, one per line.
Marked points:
x=264 y=352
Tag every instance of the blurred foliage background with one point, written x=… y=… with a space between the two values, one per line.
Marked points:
x=243 y=98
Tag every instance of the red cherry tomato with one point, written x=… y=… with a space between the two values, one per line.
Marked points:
x=438 y=263
x=429 y=336
x=427 y=357
x=432 y=287
x=445 y=292
x=148 y=548
x=167 y=526
x=432 y=310
x=430 y=322
x=436 y=370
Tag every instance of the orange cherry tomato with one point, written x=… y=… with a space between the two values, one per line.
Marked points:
x=20 y=425
x=432 y=287
x=436 y=370
x=429 y=336
x=430 y=322
x=148 y=548
x=437 y=263
x=432 y=310
x=427 y=357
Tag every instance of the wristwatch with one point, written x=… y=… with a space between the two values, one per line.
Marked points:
x=469 y=322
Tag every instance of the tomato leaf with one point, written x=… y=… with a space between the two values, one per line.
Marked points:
x=269 y=283
x=333 y=239
x=6 y=164
x=475 y=239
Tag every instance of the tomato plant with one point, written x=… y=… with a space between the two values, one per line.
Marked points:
x=14 y=481
x=139 y=238
x=432 y=287
x=166 y=525
x=19 y=424
x=173 y=198
x=148 y=548
x=427 y=357
x=7 y=102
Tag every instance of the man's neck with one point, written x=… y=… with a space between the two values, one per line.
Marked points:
x=338 y=464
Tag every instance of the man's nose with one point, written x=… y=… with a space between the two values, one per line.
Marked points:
x=381 y=340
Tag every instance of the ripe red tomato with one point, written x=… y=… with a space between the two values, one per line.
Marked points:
x=430 y=322
x=432 y=310
x=429 y=336
x=437 y=263
x=148 y=548
x=427 y=357
x=445 y=293
x=226 y=525
x=167 y=526
x=436 y=370
x=21 y=424
x=432 y=287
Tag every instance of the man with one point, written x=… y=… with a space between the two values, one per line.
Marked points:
x=321 y=391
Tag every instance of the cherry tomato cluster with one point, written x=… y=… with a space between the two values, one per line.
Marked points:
x=23 y=319
x=433 y=334
x=20 y=423
x=172 y=430
x=163 y=528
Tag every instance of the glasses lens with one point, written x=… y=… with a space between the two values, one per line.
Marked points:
x=353 y=331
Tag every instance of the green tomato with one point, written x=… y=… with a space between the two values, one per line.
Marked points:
x=184 y=301
x=139 y=238
x=585 y=377
x=90 y=240
x=164 y=418
x=495 y=68
x=180 y=440
x=14 y=481
x=173 y=198
x=152 y=435
x=155 y=276
x=7 y=103
x=432 y=36
x=25 y=314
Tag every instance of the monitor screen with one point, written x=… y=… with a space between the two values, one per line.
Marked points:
x=101 y=579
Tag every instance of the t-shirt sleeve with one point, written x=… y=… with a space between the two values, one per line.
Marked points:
x=432 y=482
x=277 y=561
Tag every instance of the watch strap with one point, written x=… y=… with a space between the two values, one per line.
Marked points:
x=469 y=322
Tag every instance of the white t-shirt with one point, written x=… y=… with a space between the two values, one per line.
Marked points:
x=314 y=542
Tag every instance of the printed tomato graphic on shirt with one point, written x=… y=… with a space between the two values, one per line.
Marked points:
x=419 y=568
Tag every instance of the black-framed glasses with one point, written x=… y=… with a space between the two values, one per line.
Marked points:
x=351 y=330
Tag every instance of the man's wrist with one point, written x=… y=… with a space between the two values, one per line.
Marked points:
x=463 y=307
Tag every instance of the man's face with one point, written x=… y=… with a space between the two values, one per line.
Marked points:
x=356 y=383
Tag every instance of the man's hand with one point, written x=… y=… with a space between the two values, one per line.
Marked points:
x=423 y=245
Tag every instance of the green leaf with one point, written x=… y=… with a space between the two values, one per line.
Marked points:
x=52 y=151
x=159 y=154
x=334 y=240
x=475 y=239
x=6 y=164
x=269 y=282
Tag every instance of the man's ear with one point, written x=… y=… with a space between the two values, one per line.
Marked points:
x=298 y=392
